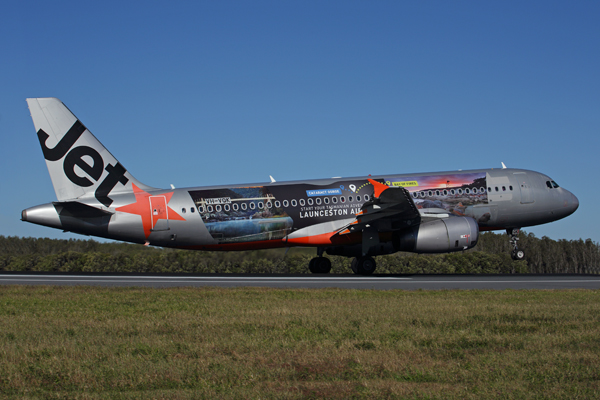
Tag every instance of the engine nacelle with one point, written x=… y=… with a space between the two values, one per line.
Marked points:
x=440 y=236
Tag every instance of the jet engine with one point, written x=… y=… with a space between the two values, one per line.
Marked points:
x=439 y=236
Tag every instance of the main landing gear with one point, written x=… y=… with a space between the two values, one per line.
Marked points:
x=363 y=265
x=516 y=254
x=360 y=265
x=319 y=265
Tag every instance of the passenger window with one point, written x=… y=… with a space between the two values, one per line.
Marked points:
x=489 y=189
x=277 y=203
x=244 y=206
x=318 y=200
x=358 y=198
x=302 y=202
x=235 y=207
x=350 y=199
x=261 y=205
x=310 y=202
x=510 y=187
x=482 y=190
x=209 y=209
x=285 y=203
x=227 y=207
x=468 y=191
x=430 y=193
x=326 y=200
x=452 y=192
x=334 y=200
x=252 y=205
x=504 y=188
x=218 y=208
x=294 y=203
x=200 y=209
x=366 y=197
x=437 y=192
x=445 y=192
x=342 y=199
x=496 y=188
x=269 y=204
x=183 y=210
x=191 y=209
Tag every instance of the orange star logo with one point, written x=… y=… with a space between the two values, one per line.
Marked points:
x=151 y=208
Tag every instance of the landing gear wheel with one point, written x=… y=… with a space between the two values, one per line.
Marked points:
x=363 y=265
x=518 y=255
x=319 y=265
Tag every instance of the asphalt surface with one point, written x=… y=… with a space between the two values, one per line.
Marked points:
x=381 y=282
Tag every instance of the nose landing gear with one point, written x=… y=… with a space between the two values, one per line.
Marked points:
x=516 y=254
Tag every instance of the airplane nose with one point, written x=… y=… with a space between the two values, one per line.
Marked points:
x=574 y=203
x=571 y=202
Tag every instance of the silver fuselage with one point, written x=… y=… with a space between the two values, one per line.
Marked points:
x=212 y=218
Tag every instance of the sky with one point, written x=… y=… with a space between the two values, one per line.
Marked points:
x=206 y=93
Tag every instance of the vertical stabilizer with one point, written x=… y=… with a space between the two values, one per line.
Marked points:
x=79 y=165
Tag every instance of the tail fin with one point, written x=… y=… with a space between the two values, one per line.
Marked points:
x=79 y=165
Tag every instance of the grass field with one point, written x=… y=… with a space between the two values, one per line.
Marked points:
x=88 y=342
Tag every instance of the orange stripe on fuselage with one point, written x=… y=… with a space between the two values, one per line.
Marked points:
x=326 y=239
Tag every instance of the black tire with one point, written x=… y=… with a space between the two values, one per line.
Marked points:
x=323 y=265
x=319 y=265
x=366 y=265
x=518 y=255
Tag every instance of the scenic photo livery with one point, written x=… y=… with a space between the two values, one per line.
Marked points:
x=359 y=217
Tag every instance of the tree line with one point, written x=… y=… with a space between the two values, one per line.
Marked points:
x=491 y=255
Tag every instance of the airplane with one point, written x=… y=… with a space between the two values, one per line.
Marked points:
x=360 y=217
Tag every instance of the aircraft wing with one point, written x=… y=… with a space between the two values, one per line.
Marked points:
x=392 y=208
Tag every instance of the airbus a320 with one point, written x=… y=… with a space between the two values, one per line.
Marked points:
x=360 y=217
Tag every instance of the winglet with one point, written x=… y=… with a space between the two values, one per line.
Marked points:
x=378 y=186
x=272 y=179
x=503 y=166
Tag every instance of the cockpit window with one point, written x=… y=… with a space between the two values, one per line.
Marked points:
x=549 y=184
x=555 y=185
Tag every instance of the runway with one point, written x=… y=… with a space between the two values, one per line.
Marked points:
x=379 y=282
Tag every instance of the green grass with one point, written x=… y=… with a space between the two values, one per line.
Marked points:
x=88 y=342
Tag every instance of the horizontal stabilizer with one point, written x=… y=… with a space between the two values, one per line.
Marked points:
x=79 y=210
